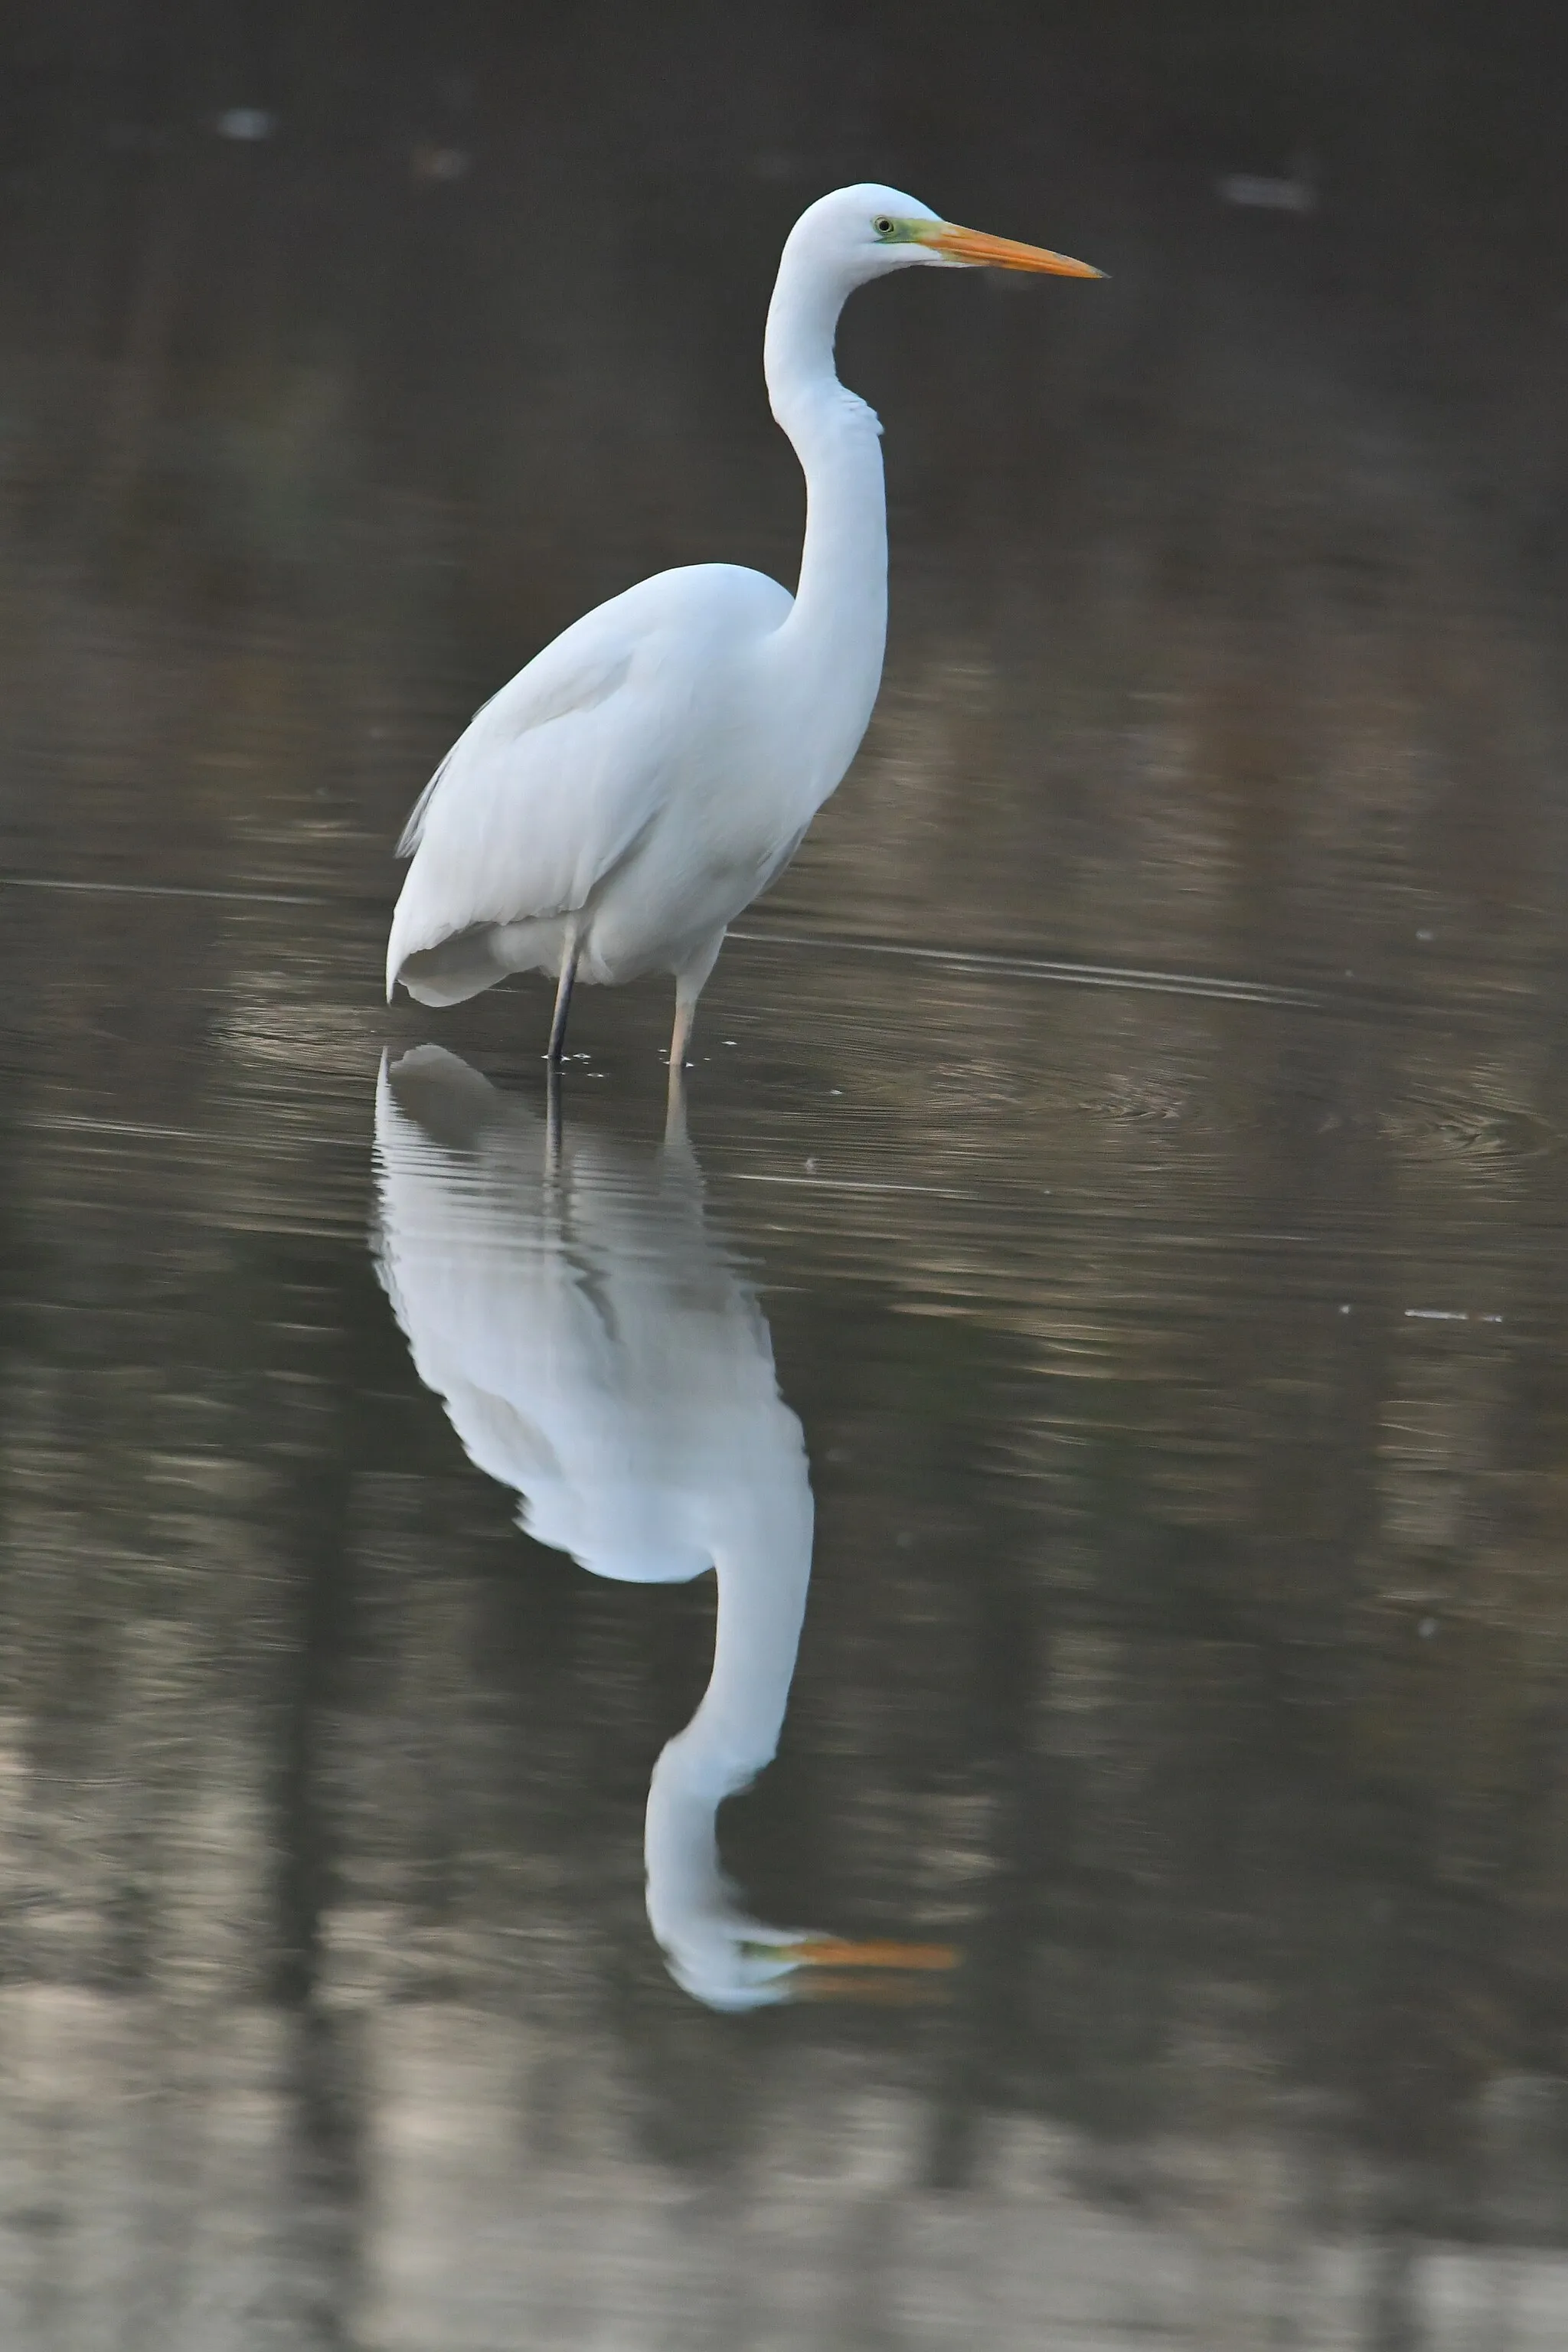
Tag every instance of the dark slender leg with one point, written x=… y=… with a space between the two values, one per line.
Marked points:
x=552 y=1118
x=563 y=999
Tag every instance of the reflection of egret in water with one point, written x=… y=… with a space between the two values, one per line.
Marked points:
x=599 y=1351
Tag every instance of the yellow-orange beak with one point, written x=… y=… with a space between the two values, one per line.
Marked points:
x=973 y=244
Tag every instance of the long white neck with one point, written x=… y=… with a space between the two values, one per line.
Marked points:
x=762 y=1582
x=838 y=628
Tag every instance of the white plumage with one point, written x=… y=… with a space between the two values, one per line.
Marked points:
x=614 y=808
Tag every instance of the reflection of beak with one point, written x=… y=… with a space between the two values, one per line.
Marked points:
x=895 y=1975
x=871 y=1990
x=973 y=244
x=831 y=1952
x=829 y=1968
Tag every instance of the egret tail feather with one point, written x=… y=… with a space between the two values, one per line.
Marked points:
x=461 y=967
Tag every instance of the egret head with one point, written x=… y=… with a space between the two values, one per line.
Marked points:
x=865 y=232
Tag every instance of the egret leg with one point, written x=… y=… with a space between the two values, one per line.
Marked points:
x=552 y=1118
x=675 y=1097
x=562 y=1001
x=680 y=1038
x=688 y=986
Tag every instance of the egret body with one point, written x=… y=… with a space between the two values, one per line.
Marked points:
x=612 y=810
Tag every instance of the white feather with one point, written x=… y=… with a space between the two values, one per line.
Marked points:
x=563 y=773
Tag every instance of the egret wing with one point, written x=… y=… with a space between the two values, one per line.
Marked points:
x=561 y=679
x=545 y=792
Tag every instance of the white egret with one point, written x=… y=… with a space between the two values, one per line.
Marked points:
x=612 y=810
x=597 y=1350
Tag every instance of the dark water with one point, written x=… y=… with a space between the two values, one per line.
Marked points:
x=1130 y=1144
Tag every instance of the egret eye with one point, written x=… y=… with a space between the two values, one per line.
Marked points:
x=884 y=226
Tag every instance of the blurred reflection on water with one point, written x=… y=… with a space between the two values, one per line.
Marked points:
x=596 y=1350
x=1180 y=1356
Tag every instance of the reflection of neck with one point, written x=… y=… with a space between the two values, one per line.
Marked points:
x=762 y=1575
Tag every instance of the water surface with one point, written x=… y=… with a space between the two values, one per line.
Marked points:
x=1126 y=1160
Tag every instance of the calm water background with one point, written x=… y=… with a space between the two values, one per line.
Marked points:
x=1174 y=1303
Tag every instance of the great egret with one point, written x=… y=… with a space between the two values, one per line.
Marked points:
x=612 y=810
x=597 y=1350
